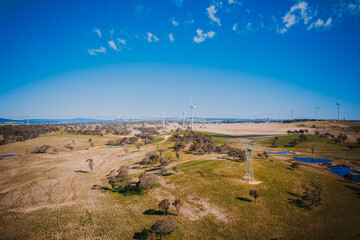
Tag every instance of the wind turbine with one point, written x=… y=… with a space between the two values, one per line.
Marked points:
x=338 y=107
x=164 y=117
x=192 y=113
x=183 y=121
x=27 y=116
x=316 y=111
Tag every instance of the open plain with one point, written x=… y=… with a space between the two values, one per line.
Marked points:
x=52 y=195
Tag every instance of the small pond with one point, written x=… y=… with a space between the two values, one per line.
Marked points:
x=313 y=160
x=5 y=156
x=342 y=171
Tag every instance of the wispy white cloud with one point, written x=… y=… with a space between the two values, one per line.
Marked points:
x=171 y=37
x=151 y=37
x=113 y=45
x=248 y=26
x=96 y=51
x=299 y=12
x=122 y=41
x=202 y=36
x=98 y=31
x=178 y=3
x=235 y=2
x=173 y=22
x=234 y=27
x=211 y=12
x=353 y=7
x=328 y=22
x=343 y=7
x=320 y=24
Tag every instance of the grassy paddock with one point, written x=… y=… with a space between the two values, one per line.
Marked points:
x=322 y=146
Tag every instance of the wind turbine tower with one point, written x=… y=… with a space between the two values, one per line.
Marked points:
x=192 y=113
x=249 y=171
x=316 y=112
x=183 y=121
x=164 y=117
x=338 y=107
x=27 y=116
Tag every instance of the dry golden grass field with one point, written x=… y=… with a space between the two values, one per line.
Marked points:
x=50 y=195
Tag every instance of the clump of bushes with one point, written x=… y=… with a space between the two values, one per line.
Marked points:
x=150 y=158
x=15 y=133
x=295 y=165
x=123 y=141
x=198 y=143
x=42 y=149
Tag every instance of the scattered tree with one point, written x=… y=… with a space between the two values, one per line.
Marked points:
x=237 y=153
x=150 y=158
x=275 y=143
x=164 y=226
x=295 y=165
x=178 y=203
x=164 y=206
x=147 y=181
x=254 y=194
x=312 y=196
x=42 y=149
x=177 y=154
x=91 y=163
x=303 y=137
x=292 y=143
x=138 y=146
x=266 y=155
x=161 y=151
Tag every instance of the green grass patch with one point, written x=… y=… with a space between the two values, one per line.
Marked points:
x=322 y=146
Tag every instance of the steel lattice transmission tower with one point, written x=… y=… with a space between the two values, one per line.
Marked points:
x=249 y=171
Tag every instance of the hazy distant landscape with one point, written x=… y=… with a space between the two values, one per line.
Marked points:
x=179 y=119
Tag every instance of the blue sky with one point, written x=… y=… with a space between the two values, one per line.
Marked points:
x=236 y=58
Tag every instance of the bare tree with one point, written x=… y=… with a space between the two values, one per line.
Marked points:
x=164 y=206
x=138 y=146
x=161 y=151
x=178 y=203
x=122 y=172
x=164 y=226
x=254 y=194
x=91 y=163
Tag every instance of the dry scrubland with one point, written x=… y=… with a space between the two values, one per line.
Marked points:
x=42 y=197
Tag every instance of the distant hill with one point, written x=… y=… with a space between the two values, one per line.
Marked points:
x=72 y=120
